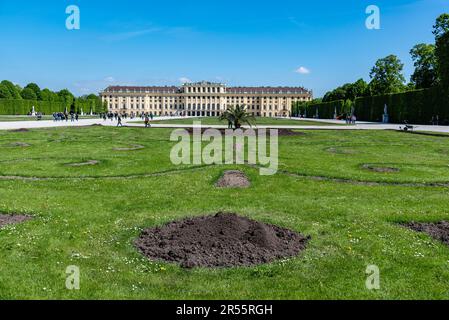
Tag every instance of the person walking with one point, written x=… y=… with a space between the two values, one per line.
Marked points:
x=151 y=116
x=76 y=117
x=147 y=122
x=119 y=121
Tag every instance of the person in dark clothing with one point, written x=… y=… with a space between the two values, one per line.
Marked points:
x=119 y=121
x=147 y=122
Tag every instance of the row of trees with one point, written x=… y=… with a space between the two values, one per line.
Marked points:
x=431 y=62
x=32 y=91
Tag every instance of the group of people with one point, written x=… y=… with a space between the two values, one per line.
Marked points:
x=147 y=117
x=64 y=116
x=351 y=119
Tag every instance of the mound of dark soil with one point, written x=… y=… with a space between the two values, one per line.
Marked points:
x=380 y=169
x=12 y=219
x=83 y=164
x=19 y=130
x=438 y=231
x=233 y=179
x=131 y=148
x=223 y=240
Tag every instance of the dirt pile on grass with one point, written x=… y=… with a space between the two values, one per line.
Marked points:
x=6 y=219
x=233 y=179
x=379 y=169
x=19 y=130
x=223 y=240
x=439 y=231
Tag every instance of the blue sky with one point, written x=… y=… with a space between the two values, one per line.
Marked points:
x=247 y=43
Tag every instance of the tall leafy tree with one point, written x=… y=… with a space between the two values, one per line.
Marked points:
x=425 y=75
x=441 y=32
x=386 y=76
x=12 y=88
x=35 y=88
x=4 y=92
x=48 y=95
x=441 y=26
x=66 y=96
x=356 y=89
x=28 y=94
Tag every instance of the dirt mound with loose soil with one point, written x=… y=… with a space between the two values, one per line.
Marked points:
x=131 y=148
x=6 y=219
x=380 y=169
x=233 y=179
x=83 y=164
x=19 y=130
x=439 y=231
x=223 y=240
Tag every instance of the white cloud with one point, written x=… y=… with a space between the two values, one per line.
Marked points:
x=109 y=79
x=184 y=80
x=302 y=70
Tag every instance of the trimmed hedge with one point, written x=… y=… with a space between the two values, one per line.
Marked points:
x=326 y=110
x=417 y=107
x=23 y=107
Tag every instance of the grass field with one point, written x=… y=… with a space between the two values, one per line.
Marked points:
x=89 y=216
x=258 y=121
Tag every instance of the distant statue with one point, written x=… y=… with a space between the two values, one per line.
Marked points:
x=385 y=117
x=33 y=111
x=335 y=113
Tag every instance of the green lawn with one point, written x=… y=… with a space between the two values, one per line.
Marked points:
x=258 y=121
x=90 y=216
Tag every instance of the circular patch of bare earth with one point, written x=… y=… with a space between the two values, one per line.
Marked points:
x=19 y=145
x=6 y=219
x=379 y=169
x=83 y=164
x=233 y=179
x=439 y=231
x=281 y=132
x=133 y=147
x=337 y=150
x=220 y=241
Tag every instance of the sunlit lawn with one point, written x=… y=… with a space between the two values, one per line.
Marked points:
x=89 y=216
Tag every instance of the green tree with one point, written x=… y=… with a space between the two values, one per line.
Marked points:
x=441 y=32
x=48 y=95
x=35 y=88
x=237 y=116
x=357 y=89
x=441 y=26
x=4 y=92
x=425 y=62
x=28 y=94
x=12 y=88
x=386 y=76
x=67 y=97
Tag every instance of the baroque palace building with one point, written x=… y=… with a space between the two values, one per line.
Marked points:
x=203 y=99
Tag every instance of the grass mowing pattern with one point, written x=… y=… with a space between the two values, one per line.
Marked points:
x=92 y=223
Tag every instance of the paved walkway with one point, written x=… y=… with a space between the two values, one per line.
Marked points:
x=12 y=125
